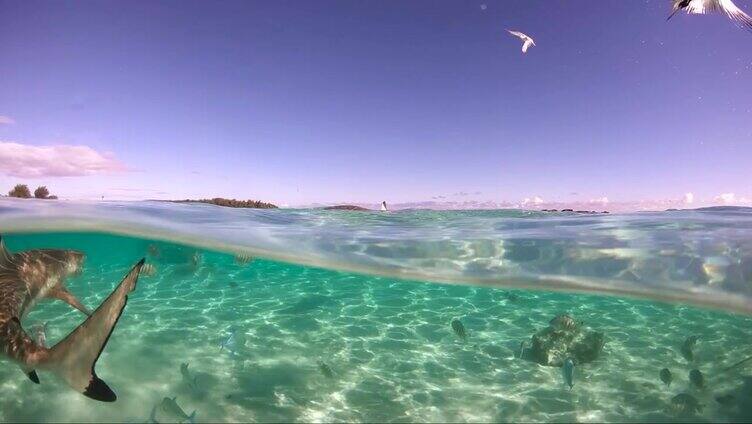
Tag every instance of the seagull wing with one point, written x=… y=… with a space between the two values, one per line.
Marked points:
x=527 y=44
x=702 y=7
x=737 y=15
x=518 y=34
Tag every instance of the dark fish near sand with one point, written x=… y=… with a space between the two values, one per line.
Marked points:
x=726 y=400
x=563 y=323
x=687 y=348
x=685 y=404
x=523 y=348
x=170 y=411
x=512 y=297
x=567 y=371
x=325 y=369
x=666 y=377
x=29 y=276
x=697 y=379
x=459 y=329
x=188 y=379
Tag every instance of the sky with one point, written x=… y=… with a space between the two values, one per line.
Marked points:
x=304 y=102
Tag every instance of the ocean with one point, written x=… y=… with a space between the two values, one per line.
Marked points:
x=296 y=315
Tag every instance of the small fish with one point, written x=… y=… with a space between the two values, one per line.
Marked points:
x=685 y=404
x=172 y=412
x=567 y=371
x=687 y=349
x=563 y=322
x=523 y=348
x=148 y=270
x=40 y=334
x=697 y=379
x=726 y=400
x=230 y=342
x=742 y=362
x=153 y=416
x=511 y=297
x=325 y=369
x=195 y=259
x=459 y=329
x=190 y=381
x=666 y=377
x=153 y=250
x=243 y=259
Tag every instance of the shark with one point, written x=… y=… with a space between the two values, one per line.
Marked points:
x=29 y=276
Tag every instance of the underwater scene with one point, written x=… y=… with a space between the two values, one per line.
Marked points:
x=321 y=316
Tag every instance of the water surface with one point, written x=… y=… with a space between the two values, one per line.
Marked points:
x=361 y=293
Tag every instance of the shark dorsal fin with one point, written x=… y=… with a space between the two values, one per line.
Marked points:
x=5 y=256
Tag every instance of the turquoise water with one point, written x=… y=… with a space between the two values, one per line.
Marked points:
x=324 y=330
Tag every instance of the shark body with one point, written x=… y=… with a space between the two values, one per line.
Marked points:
x=26 y=278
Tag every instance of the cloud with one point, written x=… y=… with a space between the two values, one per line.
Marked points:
x=726 y=198
x=6 y=120
x=731 y=199
x=689 y=198
x=22 y=160
x=601 y=200
x=535 y=200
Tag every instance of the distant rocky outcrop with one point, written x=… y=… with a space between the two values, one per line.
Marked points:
x=573 y=211
x=231 y=203
x=346 y=208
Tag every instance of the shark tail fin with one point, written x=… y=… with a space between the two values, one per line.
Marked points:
x=192 y=417
x=74 y=358
x=32 y=374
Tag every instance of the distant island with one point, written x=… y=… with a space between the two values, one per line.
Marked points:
x=230 y=203
x=21 y=191
x=346 y=208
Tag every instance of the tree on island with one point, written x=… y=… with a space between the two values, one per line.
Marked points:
x=231 y=203
x=41 y=192
x=21 y=191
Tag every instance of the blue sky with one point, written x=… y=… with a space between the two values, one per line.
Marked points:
x=298 y=102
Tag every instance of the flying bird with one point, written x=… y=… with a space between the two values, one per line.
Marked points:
x=527 y=41
x=705 y=6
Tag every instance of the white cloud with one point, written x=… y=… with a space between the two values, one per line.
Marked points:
x=689 y=198
x=22 y=160
x=6 y=120
x=726 y=198
x=534 y=201
x=601 y=200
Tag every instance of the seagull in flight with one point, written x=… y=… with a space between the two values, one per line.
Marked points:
x=704 y=6
x=527 y=41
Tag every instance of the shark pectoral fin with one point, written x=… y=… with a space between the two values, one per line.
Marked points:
x=74 y=358
x=61 y=293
